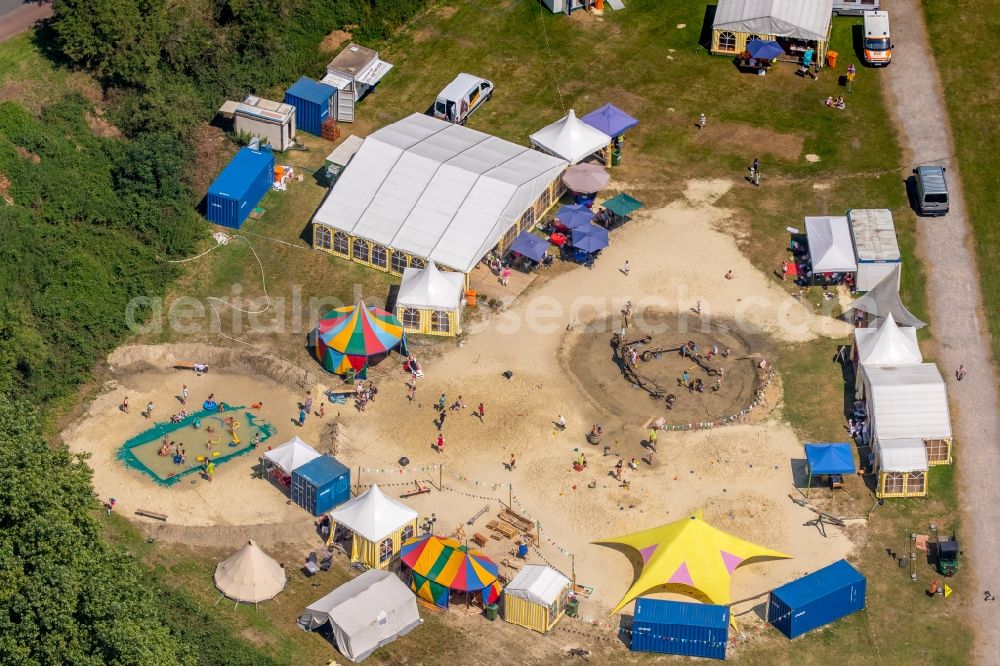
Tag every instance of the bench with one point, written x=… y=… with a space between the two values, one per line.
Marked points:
x=479 y=539
x=151 y=514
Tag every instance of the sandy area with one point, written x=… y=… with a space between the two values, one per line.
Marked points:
x=740 y=475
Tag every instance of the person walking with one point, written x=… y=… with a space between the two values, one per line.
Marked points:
x=302 y=417
x=322 y=409
x=124 y=406
x=184 y=394
x=307 y=405
x=626 y=268
x=618 y=469
x=440 y=423
x=755 y=172
x=560 y=422
x=481 y=412
x=440 y=443
x=652 y=438
x=210 y=471
x=513 y=463
x=442 y=401
x=702 y=121
x=960 y=373
x=149 y=409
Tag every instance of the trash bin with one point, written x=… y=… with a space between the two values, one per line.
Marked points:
x=831 y=59
x=470 y=298
x=522 y=550
x=616 y=157
x=492 y=611
x=572 y=607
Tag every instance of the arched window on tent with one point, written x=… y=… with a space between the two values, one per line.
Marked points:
x=411 y=318
x=361 y=250
x=341 y=243
x=727 y=41
x=397 y=263
x=752 y=38
x=385 y=550
x=417 y=262
x=324 y=239
x=440 y=321
x=527 y=220
x=407 y=533
x=379 y=256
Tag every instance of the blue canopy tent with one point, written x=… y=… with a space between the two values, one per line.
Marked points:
x=590 y=238
x=530 y=245
x=610 y=119
x=574 y=216
x=764 y=49
x=829 y=460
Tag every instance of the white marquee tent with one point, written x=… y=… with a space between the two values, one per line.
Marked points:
x=901 y=455
x=365 y=613
x=800 y=19
x=249 y=575
x=429 y=288
x=570 y=138
x=875 y=246
x=373 y=515
x=830 y=247
x=537 y=584
x=291 y=455
x=889 y=344
x=883 y=300
x=436 y=190
x=907 y=401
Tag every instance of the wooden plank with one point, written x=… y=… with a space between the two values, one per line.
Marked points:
x=151 y=514
x=478 y=514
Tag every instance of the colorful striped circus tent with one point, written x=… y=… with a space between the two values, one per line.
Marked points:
x=440 y=566
x=346 y=338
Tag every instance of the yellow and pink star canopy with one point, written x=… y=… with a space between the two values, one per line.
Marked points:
x=689 y=557
x=347 y=337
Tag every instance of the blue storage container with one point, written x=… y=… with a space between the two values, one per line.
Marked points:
x=817 y=599
x=678 y=627
x=313 y=101
x=240 y=187
x=321 y=484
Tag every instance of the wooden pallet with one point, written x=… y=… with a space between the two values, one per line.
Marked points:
x=506 y=529
x=517 y=520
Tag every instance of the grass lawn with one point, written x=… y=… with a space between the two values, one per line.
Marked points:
x=972 y=105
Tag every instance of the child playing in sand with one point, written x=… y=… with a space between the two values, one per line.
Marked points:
x=440 y=443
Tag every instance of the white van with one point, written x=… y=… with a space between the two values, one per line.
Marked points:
x=853 y=7
x=878 y=42
x=461 y=97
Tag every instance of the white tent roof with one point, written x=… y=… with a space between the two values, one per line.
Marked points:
x=874 y=235
x=801 y=19
x=249 y=575
x=830 y=247
x=430 y=288
x=291 y=455
x=373 y=515
x=365 y=613
x=901 y=455
x=538 y=584
x=883 y=300
x=907 y=401
x=888 y=344
x=437 y=190
x=570 y=138
x=343 y=153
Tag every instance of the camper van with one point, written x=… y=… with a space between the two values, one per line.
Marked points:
x=931 y=190
x=853 y=7
x=878 y=43
x=461 y=97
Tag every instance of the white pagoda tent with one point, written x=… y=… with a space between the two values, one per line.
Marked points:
x=379 y=523
x=291 y=455
x=429 y=300
x=571 y=139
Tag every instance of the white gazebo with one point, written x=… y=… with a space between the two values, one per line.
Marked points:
x=249 y=575
x=831 y=249
x=571 y=139
x=430 y=301
x=379 y=523
x=902 y=468
x=889 y=344
x=281 y=461
x=536 y=597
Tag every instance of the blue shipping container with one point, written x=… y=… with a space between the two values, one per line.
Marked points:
x=678 y=627
x=240 y=187
x=817 y=599
x=321 y=484
x=313 y=102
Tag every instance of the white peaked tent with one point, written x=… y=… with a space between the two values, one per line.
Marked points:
x=291 y=455
x=883 y=300
x=907 y=401
x=249 y=575
x=374 y=518
x=365 y=613
x=429 y=300
x=889 y=344
x=801 y=19
x=570 y=138
x=831 y=249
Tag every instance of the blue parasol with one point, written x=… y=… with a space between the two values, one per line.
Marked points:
x=590 y=238
x=574 y=216
x=764 y=49
x=530 y=246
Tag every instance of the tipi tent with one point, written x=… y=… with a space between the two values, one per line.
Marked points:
x=380 y=525
x=365 y=613
x=831 y=249
x=883 y=300
x=249 y=575
x=571 y=139
x=536 y=597
x=429 y=301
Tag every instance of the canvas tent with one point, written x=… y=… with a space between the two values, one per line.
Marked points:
x=830 y=247
x=249 y=575
x=571 y=139
x=379 y=525
x=281 y=461
x=441 y=565
x=883 y=299
x=907 y=402
x=430 y=301
x=875 y=246
x=794 y=24
x=423 y=189
x=536 y=597
x=889 y=344
x=349 y=338
x=829 y=460
x=902 y=468
x=364 y=614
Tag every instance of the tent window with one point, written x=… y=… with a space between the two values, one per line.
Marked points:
x=727 y=41
x=417 y=262
x=527 y=220
x=341 y=243
x=360 y=249
x=323 y=237
x=937 y=450
x=398 y=262
x=507 y=240
x=753 y=38
x=411 y=318
x=440 y=321
x=893 y=483
x=545 y=200
x=914 y=483
x=407 y=533
x=379 y=256
x=385 y=550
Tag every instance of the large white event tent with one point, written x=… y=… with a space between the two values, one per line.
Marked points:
x=425 y=189
x=571 y=139
x=906 y=401
x=831 y=249
x=366 y=613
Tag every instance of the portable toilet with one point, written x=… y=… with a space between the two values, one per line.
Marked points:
x=314 y=102
x=820 y=598
x=680 y=627
x=240 y=187
x=321 y=484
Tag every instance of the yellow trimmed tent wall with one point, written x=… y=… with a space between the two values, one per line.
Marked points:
x=430 y=301
x=380 y=525
x=378 y=554
x=902 y=468
x=788 y=22
x=536 y=598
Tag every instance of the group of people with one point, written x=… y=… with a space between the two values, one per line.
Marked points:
x=836 y=103
x=173 y=450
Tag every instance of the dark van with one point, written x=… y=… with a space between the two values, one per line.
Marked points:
x=931 y=190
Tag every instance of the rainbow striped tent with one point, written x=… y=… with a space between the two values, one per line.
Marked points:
x=347 y=337
x=440 y=565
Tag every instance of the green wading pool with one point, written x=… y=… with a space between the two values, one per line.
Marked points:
x=203 y=436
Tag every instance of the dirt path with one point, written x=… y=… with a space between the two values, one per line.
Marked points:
x=20 y=18
x=956 y=308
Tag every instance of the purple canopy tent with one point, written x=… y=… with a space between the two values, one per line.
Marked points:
x=574 y=215
x=610 y=119
x=530 y=245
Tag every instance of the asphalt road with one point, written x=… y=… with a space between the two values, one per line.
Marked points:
x=17 y=16
x=957 y=323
